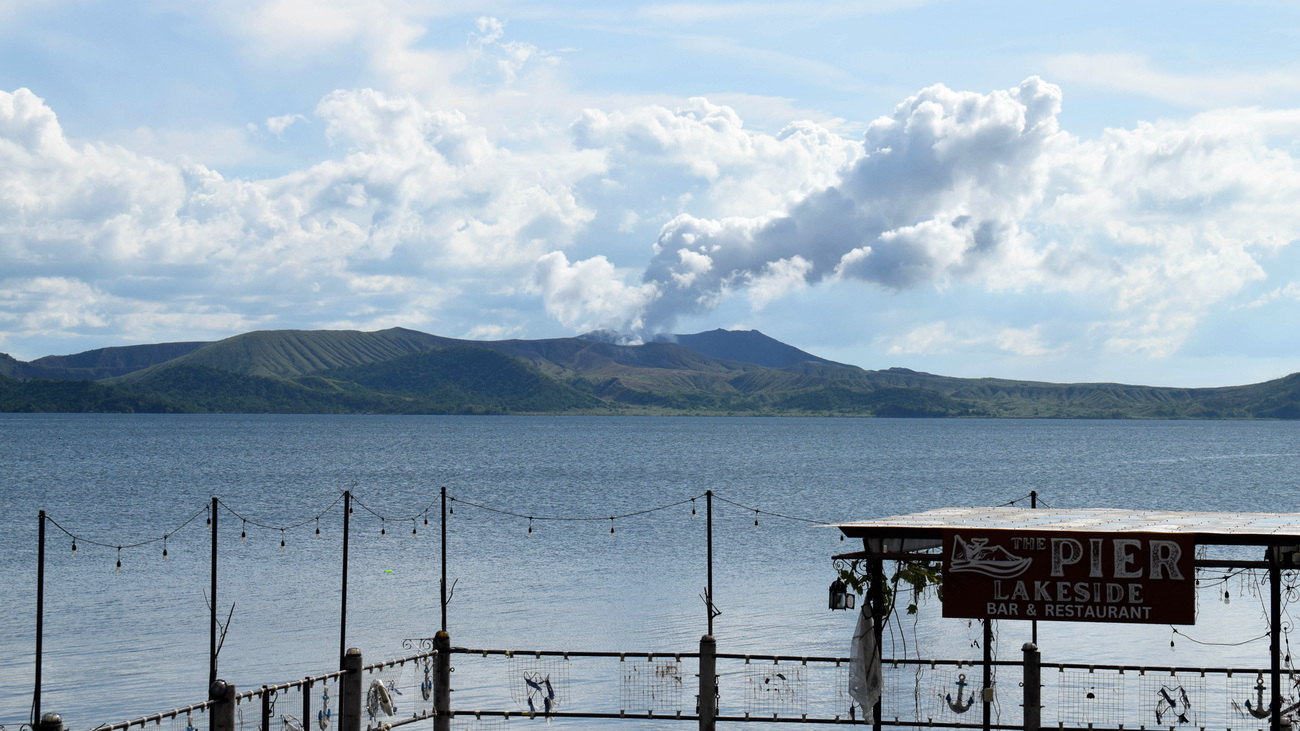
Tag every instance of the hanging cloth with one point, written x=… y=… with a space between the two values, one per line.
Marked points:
x=866 y=677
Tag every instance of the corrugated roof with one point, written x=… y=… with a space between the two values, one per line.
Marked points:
x=1210 y=527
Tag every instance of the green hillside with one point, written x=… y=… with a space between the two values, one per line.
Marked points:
x=401 y=371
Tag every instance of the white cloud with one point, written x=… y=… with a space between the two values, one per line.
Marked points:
x=277 y=125
x=1133 y=73
x=590 y=294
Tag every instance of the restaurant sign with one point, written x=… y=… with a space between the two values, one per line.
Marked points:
x=1069 y=576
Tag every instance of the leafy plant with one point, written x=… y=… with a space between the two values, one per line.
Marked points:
x=918 y=576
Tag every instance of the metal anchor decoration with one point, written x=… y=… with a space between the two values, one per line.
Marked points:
x=426 y=686
x=961 y=689
x=1259 y=710
x=324 y=715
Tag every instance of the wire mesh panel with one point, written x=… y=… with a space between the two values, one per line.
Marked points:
x=775 y=690
x=1249 y=699
x=469 y=723
x=324 y=704
x=1169 y=699
x=191 y=721
x=651 y=686
x=286 y=710
x=538 y=685
x=1087 y=698
x=387 y=694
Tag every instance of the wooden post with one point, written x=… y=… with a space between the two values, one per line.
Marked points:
x=708 y=698
x=442 y=682
x=350 y=693
x=878 y=625
x=221 y=716
x=1033 y=677
x=306 y=703
x=266 y=709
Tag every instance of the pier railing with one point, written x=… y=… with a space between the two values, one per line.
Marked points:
x=496 y=687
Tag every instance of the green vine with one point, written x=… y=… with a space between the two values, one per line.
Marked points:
x=856 y=574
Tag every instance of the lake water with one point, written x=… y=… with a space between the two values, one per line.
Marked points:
x=124 y=644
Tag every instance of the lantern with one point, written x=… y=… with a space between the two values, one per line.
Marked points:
x=841 y=597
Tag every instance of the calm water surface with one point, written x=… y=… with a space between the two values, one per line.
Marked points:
x=124 y=644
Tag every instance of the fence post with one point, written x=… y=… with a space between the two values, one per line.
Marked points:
x=1033 y=677
x=442 y=682
x=221 y=716
x=350 y=692
x=266 y=709
x=708 y=698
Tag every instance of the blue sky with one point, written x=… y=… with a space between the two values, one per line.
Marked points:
x=1094 y=192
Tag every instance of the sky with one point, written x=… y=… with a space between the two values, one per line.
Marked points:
x=1063 y=192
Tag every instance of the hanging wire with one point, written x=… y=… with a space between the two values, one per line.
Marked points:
x=573 y=518
x=75 y=537
x=769 y=512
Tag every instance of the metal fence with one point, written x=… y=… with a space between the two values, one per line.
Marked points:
x=496 y=687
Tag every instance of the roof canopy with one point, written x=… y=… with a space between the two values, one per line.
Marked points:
x=1252 y=529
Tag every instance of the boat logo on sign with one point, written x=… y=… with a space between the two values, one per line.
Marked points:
x=977 y=557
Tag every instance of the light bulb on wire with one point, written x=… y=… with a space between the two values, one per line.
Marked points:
x=119 y=559
x=243 y=532
x=164 y=547
x=74 y=546
x=530 y=526
x=383 y=527
x=282 y=540
x=318 y=527
x=755 y=520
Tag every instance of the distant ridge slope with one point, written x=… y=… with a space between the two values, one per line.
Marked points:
x=289 y=353
x=747 y=346
x=93 y=365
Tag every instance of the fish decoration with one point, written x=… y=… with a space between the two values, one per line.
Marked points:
x=540 y=687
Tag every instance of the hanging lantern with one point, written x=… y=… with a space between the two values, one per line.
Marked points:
x=841 y=597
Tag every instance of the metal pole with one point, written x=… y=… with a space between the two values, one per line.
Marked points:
x=212 y=619
x=1033 y=624
x=343 y=611
x=444 y=558
x=988 y=674
x=1275 y=633
x=40 y=618
x=708 y=495
x=306 y=702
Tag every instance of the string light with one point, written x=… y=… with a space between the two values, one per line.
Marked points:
x=119 y=559
x=692 y=508
x=412 y=527
x=452 y=509
x=318 y=527
x=164 y=547
x=209 y=519
x=383 y=527
x=281 y=540
x=530 y=526
x=74 y=546
x=426 y=519
x=243 y=532
x=755 y=520
x=611 y=526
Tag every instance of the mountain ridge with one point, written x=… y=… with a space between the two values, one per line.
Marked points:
x=718 y=372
